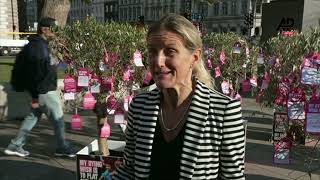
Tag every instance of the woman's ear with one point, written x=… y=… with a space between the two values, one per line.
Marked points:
x=196 y=56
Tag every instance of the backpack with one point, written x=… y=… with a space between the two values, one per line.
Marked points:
x=19 y=75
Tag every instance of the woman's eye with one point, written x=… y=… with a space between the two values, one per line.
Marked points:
x=170 y=51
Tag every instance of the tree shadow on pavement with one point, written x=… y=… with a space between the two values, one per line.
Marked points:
x=23 y=170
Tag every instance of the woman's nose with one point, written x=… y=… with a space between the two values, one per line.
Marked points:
x=159 y=59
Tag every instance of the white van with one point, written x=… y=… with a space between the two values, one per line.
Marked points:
x=11 y=47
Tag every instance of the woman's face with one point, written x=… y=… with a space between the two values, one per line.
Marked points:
x=170 y=61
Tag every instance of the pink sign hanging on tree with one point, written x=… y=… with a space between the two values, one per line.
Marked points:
x=76 y=122
x=89 y=101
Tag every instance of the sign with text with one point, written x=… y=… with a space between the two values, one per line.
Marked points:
x=313 y=117
x=96 y=167
x=280 y=124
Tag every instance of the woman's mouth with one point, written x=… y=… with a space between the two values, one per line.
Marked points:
x=163 y=74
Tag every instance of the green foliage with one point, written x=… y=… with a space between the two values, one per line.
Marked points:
x=83 y=44
x=233 y=70
x=290 y=51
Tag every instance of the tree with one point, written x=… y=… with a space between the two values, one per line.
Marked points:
x=58 y=9
x=107 y=52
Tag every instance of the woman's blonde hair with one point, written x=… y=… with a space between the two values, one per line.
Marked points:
x=191 y=36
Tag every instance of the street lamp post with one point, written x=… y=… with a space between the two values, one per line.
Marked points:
x=12 y=16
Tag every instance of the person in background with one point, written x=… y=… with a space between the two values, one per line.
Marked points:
x=183 y=129
x=43 y=89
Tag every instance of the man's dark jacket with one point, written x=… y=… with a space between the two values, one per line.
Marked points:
x=43 y=71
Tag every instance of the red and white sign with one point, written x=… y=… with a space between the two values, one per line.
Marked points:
x=137 y=58
x=296 y=104
x=105 y=131
x=70 y=84
x=225 y=87
x=119 y=116
x=112 y=104
x=222 y=58
x=83 y=77
x=95 y=84
x=217 y=72
x=313 y=117
x=310 y=72
x=76 y=122
x=126 y=102
x=89 y=101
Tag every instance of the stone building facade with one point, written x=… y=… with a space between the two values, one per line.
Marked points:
x=8 y=19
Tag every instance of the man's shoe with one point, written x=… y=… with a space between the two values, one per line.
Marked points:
x=68 y=152
x=17 y=152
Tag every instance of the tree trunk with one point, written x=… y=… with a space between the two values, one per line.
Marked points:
x=58 y=9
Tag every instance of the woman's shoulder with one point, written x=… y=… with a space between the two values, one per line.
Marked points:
x=214 y=94
x=142 y=97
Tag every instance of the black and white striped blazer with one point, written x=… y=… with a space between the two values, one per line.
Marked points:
x=214 y=140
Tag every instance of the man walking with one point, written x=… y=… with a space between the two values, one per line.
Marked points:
x=42 y=87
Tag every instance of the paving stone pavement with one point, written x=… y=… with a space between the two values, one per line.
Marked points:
x=43 y=165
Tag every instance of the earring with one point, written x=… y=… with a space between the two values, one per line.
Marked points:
x=191 y=66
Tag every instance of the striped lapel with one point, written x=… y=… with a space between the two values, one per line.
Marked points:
x=145 y=134
x=195 y=125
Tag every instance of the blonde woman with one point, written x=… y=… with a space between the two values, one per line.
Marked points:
x=183 y=129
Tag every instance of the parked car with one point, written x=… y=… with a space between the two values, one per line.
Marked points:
x=11 y=47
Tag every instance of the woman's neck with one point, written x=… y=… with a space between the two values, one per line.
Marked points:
x=174 y=97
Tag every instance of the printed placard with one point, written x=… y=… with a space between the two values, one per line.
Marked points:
x=89 y=101
x=112 y=104
x=76 y=122
x=313 y=117
x=225 y=87
x=69 y=96
x=95 y=84
x=93 y=167
x=296 y=110
x=222 y=58
x=280 y=125
x=105 y=131
x=119 y=118
x=70 y=84
x=281 y=153
x=296 y=104
x=217 y=71
x=95 y=88
x=137 y=58
x=83 y=77
x=126 y=102
x=310 y=75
